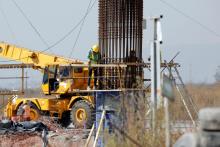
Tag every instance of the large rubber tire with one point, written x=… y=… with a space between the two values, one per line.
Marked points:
x=65 y=121
x=82 y=114
x=35 y=112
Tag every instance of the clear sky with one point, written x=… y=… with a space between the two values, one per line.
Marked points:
x=199 y=46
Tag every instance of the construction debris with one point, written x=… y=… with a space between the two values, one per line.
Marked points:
x=37 y=134
x=8 y=126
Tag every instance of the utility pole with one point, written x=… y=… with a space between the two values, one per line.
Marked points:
x=155 y=70
x=26 y=87
x=22 y=79
x=169 y=96
x=167 y=121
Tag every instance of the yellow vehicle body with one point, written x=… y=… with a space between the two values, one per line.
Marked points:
x=24 y=55
x=50 y=105
x=76 y=79
x=42 y=61
x=60 y=79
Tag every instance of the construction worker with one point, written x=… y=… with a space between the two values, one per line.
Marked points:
x=27 y=111
x=94 y=57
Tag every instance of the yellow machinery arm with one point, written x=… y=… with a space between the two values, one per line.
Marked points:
x=59 y=78
x=39 y=59
x=52 y=67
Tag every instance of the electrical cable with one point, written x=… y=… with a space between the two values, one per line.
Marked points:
x=70 y=32
x=73 y=29
x=7 y=23
x=30 y=23
x=81 y=27
x=61 y=39
x=190 y=18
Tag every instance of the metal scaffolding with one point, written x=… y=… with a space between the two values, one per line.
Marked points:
x=22 y=77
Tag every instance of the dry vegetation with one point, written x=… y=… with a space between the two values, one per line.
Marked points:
x=205 y=95
x=133 y=128
x=134 y=131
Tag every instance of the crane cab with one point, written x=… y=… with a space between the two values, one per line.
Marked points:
x=63 y=79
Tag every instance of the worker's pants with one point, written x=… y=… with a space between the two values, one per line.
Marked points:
x=95 y=70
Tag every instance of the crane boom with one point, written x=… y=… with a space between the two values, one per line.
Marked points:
x=39 y=59
x=61 y=80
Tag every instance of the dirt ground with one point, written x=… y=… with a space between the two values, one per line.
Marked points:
x=57 y=137
x=20 y=140
x=35 y=140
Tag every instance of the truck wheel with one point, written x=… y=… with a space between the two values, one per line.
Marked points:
x=65 y=121
x=34 y=113
x=82 y=114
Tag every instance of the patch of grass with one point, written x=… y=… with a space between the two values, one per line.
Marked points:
x=132 y=131
x=133 y=127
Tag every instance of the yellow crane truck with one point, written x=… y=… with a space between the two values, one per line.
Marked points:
x=60 y=84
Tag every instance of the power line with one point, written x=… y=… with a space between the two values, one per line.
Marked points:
x=7 y=23
x=61 y=39
x=69 y=32
x=30 y=23
x=81 y=27
x=190 y=18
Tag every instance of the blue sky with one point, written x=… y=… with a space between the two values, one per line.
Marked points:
x=199 y=47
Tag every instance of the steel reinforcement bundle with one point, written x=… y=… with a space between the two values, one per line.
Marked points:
x=120 y=42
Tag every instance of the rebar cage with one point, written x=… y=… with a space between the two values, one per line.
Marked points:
x=120 y=39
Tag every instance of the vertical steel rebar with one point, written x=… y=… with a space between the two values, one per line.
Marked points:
x=120 y=39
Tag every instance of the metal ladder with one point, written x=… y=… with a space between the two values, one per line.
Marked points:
x=189 y=104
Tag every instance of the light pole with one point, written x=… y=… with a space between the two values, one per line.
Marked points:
x=156 y=69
